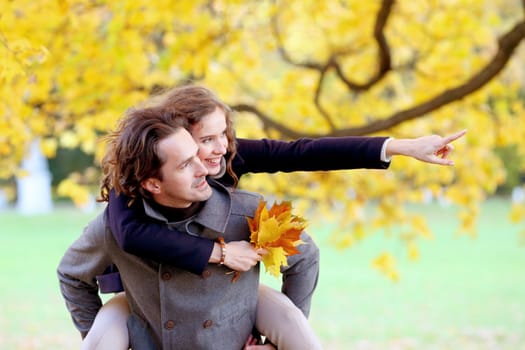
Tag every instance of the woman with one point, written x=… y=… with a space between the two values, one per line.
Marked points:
x=228 y=159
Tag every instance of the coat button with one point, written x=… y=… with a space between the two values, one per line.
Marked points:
x=207 y=324
x=166 y=276
x=169 y=324
x=206 y=273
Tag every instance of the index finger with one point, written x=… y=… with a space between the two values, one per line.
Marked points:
x=455 y=136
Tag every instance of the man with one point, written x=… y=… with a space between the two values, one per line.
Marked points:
x=153 y=159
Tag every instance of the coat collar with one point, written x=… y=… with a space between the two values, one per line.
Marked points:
x=214 y=214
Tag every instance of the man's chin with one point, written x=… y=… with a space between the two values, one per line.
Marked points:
x=205 y=193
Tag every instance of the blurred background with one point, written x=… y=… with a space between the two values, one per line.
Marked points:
x=414 y=257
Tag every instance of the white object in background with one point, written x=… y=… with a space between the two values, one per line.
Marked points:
x=518 y=194
x=34 y=189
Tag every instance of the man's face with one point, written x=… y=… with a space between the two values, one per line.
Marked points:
x=210 y=136
x=184 y=175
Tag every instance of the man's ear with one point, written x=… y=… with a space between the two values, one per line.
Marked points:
x=151 y=185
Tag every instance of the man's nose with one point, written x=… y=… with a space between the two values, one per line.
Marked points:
x=200 y=169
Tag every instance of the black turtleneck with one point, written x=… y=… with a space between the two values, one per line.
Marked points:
x=176 y=214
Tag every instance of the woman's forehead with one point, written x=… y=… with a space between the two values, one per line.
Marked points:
x=213 y=123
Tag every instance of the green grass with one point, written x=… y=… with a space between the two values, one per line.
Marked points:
x=461 y=294
x=32 y=312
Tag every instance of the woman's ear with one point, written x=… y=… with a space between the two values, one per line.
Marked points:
x=151 y=185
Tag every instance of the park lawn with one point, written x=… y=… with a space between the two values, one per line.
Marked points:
x=461 y=293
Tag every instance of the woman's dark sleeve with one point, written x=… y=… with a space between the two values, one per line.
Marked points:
x=321 y=154
x=139 y=234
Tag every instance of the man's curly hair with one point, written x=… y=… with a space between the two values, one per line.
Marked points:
x=132 y=153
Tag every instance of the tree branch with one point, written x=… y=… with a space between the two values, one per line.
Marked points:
x=507 y=44
x=269 y=123
x=317 y=100
x=385 y=61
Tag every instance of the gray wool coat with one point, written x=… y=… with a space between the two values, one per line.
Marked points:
x=170 y=308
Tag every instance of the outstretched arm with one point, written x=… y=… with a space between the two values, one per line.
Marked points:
x=322 y=154
x=335 y=153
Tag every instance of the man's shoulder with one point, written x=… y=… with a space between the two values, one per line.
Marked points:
x=246 y=195
x=244 y=202
x=241 y=202
x=97 y=225
x=235 y=193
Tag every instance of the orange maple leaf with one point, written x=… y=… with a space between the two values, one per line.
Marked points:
x=278 y=231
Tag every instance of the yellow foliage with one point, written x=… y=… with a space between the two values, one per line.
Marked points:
x=386 y=264
x=69 y=70
x=517 y=212
x=421 y=228
x=79 y=194
x=49 y=147
x=413 y=251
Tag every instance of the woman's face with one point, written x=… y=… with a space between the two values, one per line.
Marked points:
x=210 y=136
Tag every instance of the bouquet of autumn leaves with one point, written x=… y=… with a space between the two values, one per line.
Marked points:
x=278 y=231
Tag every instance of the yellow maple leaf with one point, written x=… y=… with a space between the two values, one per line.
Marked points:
x=278 y=231
x=274 y=260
